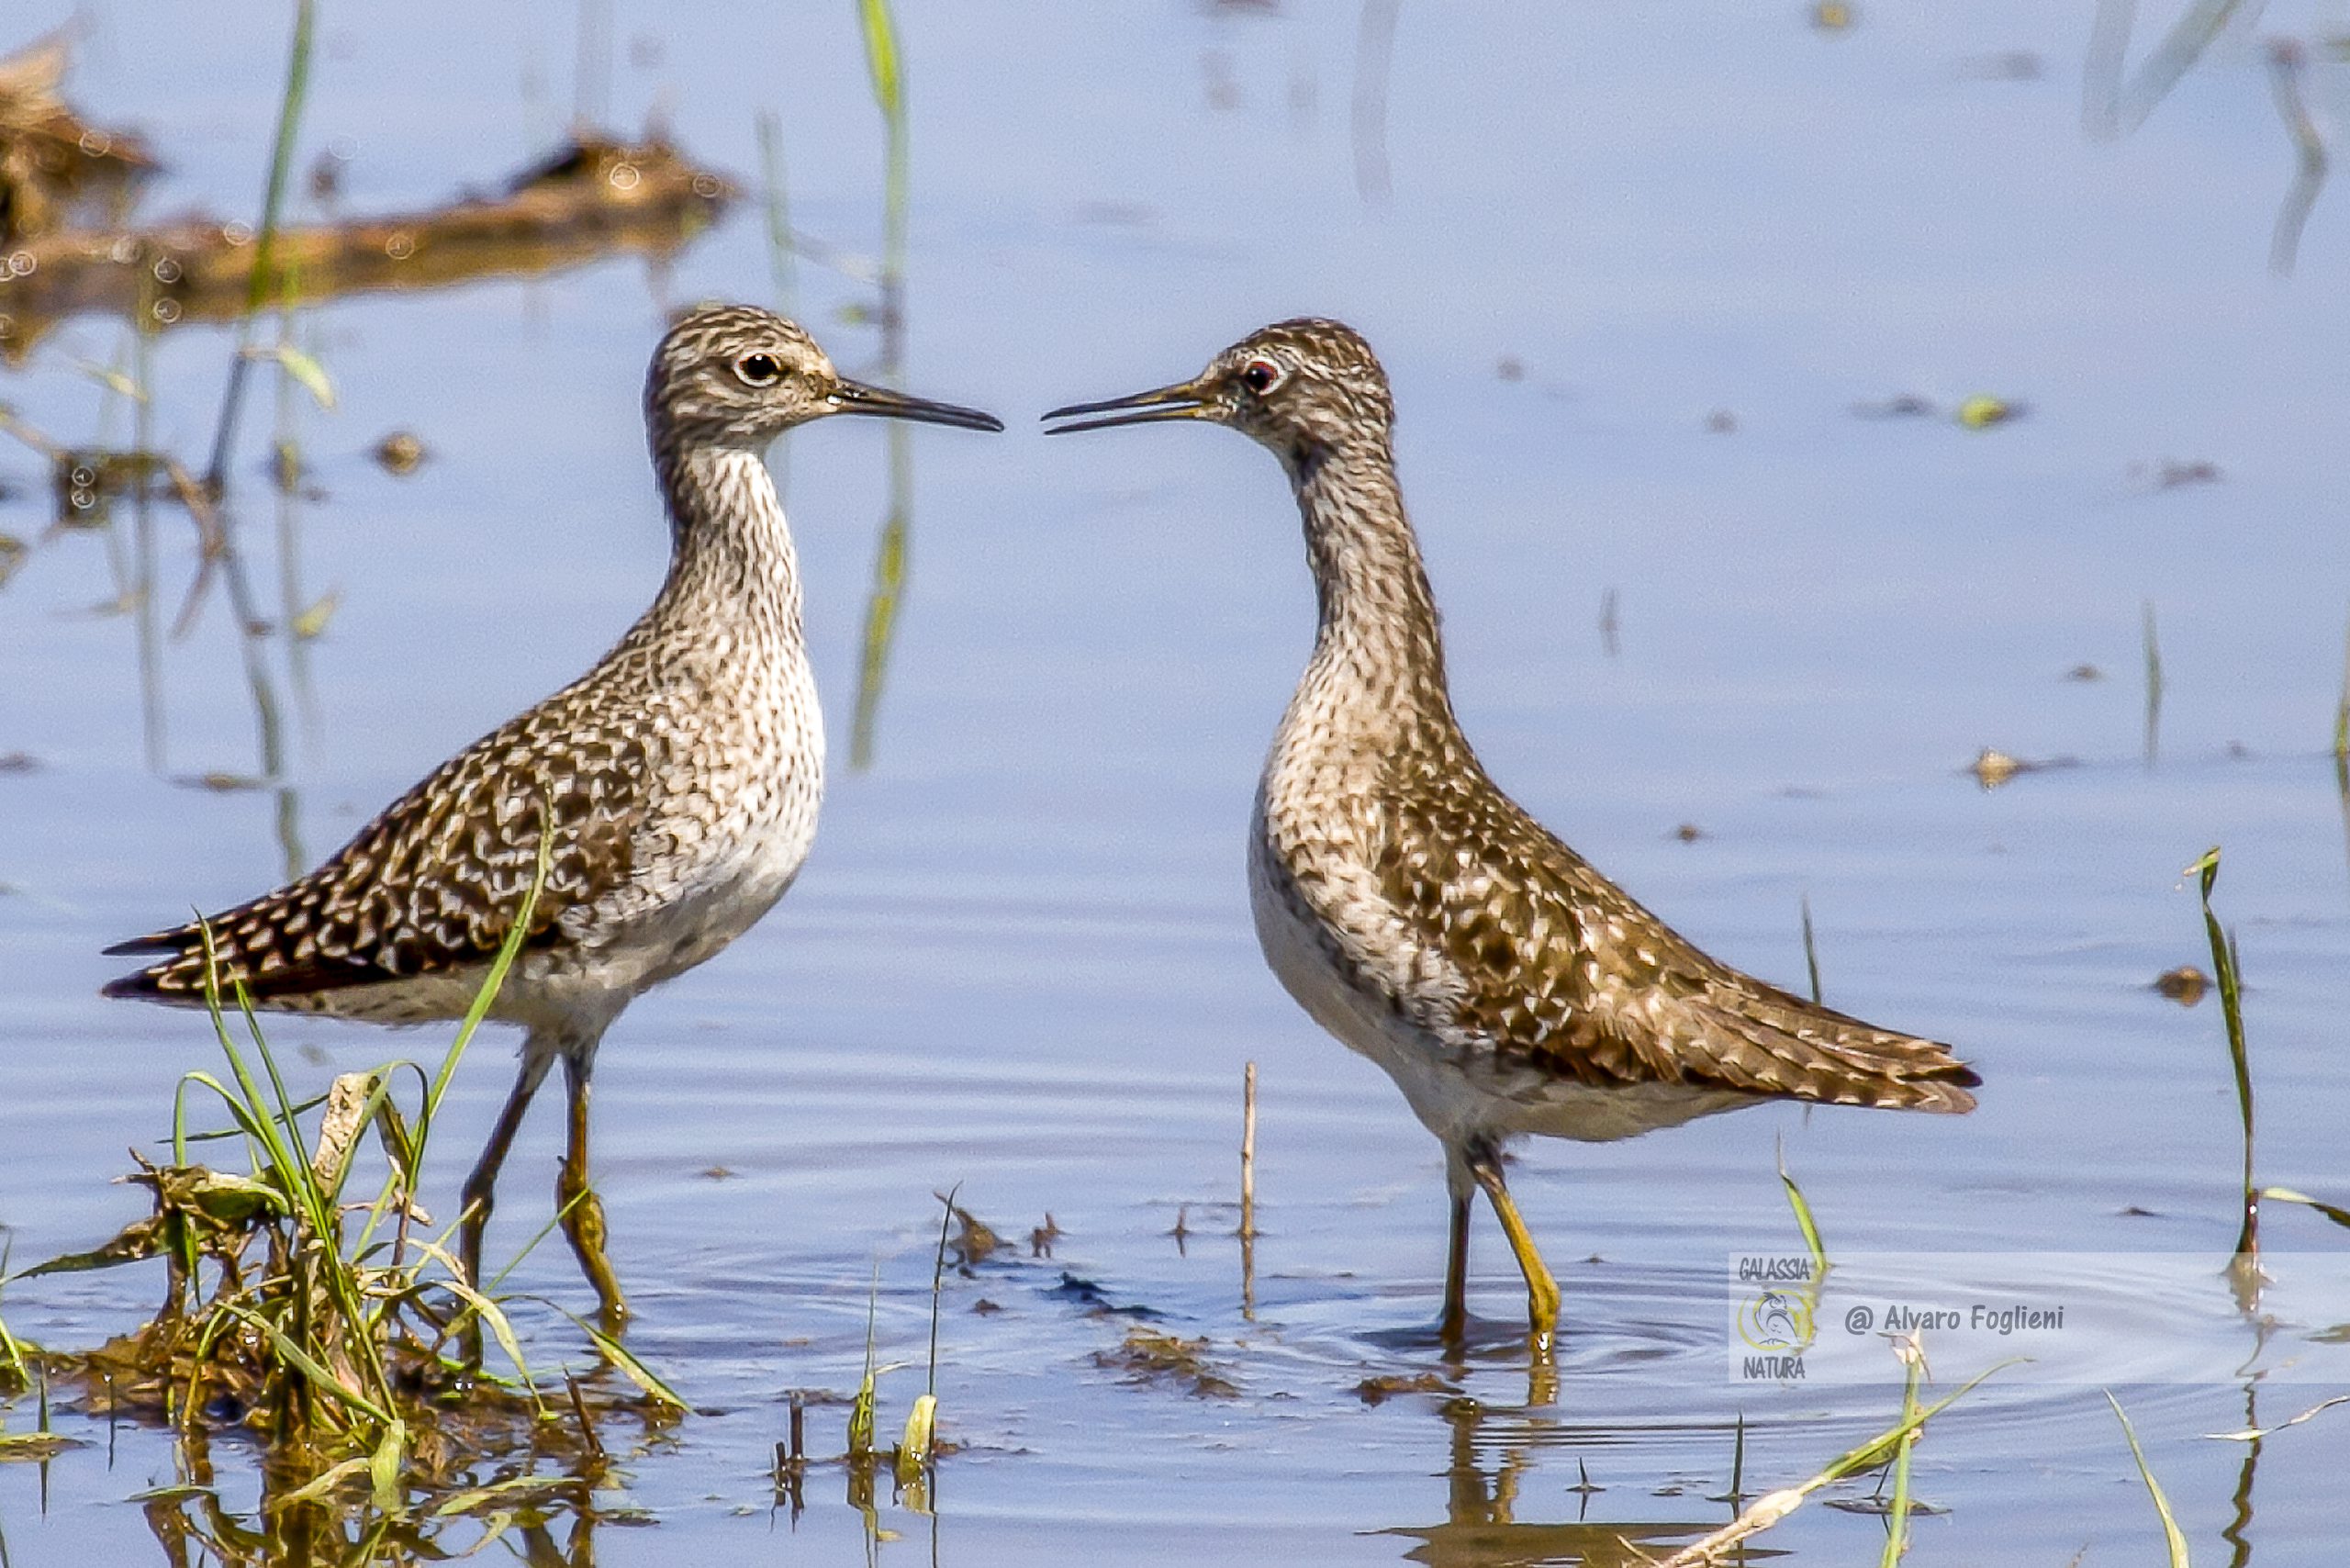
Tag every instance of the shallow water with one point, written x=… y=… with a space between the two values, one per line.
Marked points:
x=1021 y=959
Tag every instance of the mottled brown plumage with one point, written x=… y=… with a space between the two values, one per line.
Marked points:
x=676 y=784
x=433 y=884
x=1423 y=917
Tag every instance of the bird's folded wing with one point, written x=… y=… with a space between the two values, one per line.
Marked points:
x=433 y=882
x=1556 y=963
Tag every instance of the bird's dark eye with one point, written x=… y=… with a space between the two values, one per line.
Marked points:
x=1261 y=375
x=759 y=369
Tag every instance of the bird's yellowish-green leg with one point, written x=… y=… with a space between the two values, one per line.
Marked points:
x=582 y=1210
x=1542 y=1289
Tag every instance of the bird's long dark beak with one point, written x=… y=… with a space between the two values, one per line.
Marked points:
x=1184 y=400
x=856 y=397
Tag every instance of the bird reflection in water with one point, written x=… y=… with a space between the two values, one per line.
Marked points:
x=1480 y=1527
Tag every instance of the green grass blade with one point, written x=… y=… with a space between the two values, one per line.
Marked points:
x=1810 y=949
x=636 y=1372
x=2224 y=966
x=321 y=1485
x=499 y=1325
x=1804 y=1222
x=12 y=1353
x=2338 y=1215
x=385 y=1467
x=1896 y=1518
x=938 y=1282
x=2342 y=706
x=257 y=284
x=881 y=67
x=2174 y=1541
x=306 y=371
x=309 y=1367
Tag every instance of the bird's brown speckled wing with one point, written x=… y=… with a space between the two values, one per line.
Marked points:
x=1560 y=965
x=433 y=882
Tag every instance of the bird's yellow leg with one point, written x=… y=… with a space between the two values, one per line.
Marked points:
x=582 y=1211
x=1542 y=1289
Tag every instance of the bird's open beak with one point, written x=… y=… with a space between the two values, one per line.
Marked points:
x=856 y=397
x=1184 y=400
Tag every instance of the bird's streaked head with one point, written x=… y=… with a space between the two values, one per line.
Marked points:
x=736 y=375
x=1296 y=386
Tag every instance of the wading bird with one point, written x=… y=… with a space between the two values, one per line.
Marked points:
x=677 y=785
x=1424 y=918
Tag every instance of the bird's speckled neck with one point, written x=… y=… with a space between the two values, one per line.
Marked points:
x=1378 y=649
x=733 y=562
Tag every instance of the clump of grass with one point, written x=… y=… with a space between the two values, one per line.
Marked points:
x=1725 y=1544
x=911 y=1462
x=319 y=1322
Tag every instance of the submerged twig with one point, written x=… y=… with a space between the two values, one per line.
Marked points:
x=1248 y=1150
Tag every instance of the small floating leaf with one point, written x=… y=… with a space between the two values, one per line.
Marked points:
x=1983 y=411
x=399 y=453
